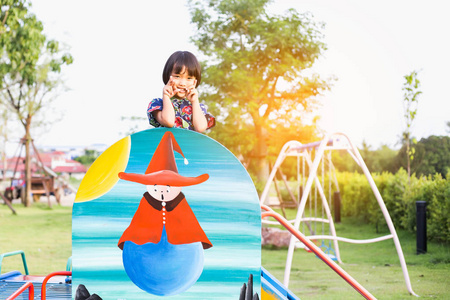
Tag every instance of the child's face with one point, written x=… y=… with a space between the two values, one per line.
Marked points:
x=183 y=82
x=163 y=193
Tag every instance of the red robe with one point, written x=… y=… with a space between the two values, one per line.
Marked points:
x=181 y=224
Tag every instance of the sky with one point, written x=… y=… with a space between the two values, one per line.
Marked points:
x=120 y=48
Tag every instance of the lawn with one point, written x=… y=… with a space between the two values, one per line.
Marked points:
x=375 y=266
x=45 y=236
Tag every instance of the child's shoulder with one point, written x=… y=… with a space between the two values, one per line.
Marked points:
x=155 y=104
x=158 y=101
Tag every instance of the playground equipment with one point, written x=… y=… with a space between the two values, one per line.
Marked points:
x=118 y=211
x=315 y=184
x=268 y=212
x=225 y=204
x=57 y=285
x=14 y=284
x=272 y=289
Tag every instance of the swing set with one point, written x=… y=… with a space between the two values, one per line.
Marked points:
x=315 y=174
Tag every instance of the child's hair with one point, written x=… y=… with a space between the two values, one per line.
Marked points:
x=181 y=59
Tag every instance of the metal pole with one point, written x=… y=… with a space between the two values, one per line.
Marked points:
x=421 y=218
x=268 y=212
x=385 y=212
x=337 y=207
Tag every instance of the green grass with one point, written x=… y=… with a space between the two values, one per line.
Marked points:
x=45 y=236
x=375 y=266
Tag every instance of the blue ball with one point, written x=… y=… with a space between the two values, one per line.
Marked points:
x=163 y=269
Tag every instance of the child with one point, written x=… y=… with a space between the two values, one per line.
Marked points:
x=179 y=106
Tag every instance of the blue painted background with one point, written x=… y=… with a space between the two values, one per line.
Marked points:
x=226 y=207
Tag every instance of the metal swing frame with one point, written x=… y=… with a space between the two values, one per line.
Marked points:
x=335 y=141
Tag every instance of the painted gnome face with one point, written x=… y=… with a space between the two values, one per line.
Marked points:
x=163 y=193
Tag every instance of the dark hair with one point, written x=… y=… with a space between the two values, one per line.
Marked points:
x=181 y=59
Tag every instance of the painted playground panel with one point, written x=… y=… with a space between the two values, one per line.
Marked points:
x=272 y=289
x=226 y=206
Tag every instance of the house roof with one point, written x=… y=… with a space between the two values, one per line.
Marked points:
x=20 y=162
x=69 y=166
x=70 y=169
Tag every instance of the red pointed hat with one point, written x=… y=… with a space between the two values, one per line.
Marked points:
x=162 y=169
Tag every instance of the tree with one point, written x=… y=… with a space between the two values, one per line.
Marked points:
x=384 y=160
x=29 y=69
x=431 y=156
x=380 y=160
x=254 y=70
x=410 y=100
x=88 y=157
x=3 y=138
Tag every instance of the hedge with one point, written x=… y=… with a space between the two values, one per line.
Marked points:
x=400 y=196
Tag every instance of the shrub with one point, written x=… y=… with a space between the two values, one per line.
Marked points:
x=355 y=194
x=399 y=195
x=435 y=190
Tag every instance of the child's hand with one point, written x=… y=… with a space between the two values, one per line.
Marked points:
x=192 y=94
x=169 y=90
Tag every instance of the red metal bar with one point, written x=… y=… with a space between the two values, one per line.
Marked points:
x=28 y=285
x=44 y=283
x=359 y=288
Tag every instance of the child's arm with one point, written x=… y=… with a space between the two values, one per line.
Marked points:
x=198 y=118
x=166 y=116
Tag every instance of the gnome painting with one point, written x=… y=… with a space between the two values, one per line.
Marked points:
x=163 y=246
x=147 y=224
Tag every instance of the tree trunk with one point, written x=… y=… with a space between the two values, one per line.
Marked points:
x=260 y=164
x=4 y=134
x=27 y=195
x=408 y=159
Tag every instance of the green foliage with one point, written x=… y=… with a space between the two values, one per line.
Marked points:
x=29 y=62
x=410 y=102
x=29 y=70
x=21 y=41
x=355 y=195
x=379 y=160
x=399 y=195
x=253 y=74
x=410 y=97
x=344 y=162
x=436 y=192
x=88 y=158
x=431 y=156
